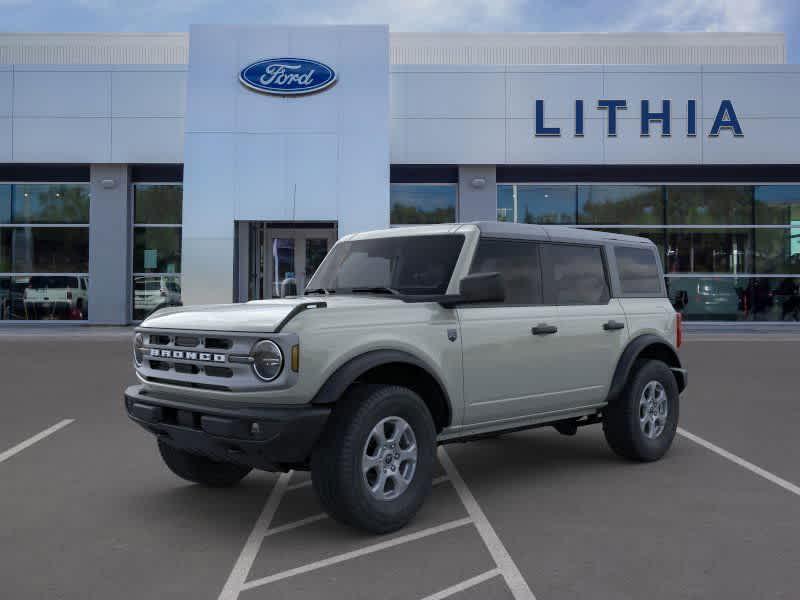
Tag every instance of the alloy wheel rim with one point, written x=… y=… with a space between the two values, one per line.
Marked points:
x=389 y=458
x=653 y=409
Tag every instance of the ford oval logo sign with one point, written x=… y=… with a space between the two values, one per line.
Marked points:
x=287 y=76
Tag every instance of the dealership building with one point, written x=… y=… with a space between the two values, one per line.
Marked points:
x=146 y=170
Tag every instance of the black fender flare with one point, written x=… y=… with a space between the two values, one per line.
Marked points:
x=349 y=372
x=655 y=346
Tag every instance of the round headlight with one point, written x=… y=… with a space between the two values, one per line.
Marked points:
x=267 y=360
x=138 y=344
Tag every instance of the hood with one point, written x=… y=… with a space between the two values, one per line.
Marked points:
x=259 y=316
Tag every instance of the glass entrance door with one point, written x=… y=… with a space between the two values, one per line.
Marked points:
x=283 y=259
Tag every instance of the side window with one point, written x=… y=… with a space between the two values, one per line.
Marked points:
x=638 y=271
x=575 y=274
x=517 y=262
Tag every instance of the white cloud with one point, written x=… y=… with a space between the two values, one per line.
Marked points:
x=415 y=15
x=704 y=15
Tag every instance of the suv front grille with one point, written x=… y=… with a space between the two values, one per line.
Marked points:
x=195 y=360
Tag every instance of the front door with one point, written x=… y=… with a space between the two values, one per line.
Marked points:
x=283 y=258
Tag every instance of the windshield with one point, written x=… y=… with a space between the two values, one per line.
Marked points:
x=418 y=264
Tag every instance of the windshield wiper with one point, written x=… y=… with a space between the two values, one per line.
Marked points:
x=375 y=290
x=320 y=291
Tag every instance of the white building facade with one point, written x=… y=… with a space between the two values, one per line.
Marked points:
x=145 y=170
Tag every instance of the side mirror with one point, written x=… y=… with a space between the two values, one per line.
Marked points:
x=482 y=287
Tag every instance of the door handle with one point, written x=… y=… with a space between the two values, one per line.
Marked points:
x=543 y=329
x=613 y=325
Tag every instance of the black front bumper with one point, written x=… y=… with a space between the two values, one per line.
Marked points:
x=272 y=438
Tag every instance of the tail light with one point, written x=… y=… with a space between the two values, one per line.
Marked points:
x=678 y=330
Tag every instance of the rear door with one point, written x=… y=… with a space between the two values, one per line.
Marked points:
x=592 y=326
x=509 y=371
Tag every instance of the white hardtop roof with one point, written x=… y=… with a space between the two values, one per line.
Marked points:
x=561 y=233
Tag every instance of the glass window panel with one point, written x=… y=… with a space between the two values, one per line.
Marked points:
x=505 y=203
x=576 y=275
x=46 y=203
x=284 y=278
x=709 y=205
x=654 y=235
x=157 y=250
x=44 y=249
x=44 y=298
x=151 y=292
x=777 y=205
x=316 y=249
x=517 y=262
x=546 y=204
x=620 y=205
x=712 y=298
x=5 y=203
x=638 y=270
x=418 y=204
x=778 y=250
x=785 y=299
x=709 y=251
x=158 y=204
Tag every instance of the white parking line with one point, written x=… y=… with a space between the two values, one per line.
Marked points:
x=296 y=524
x=298 y=486
x=787 y=485
x=356 y=553
x=508 y=568
x=241 y=568
x=33 y=439
x=464 y=585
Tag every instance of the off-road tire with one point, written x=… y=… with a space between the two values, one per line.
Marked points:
x=199 y=469
x=336 y=461
x=621 y=417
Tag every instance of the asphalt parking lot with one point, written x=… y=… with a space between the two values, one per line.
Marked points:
x=88 y=511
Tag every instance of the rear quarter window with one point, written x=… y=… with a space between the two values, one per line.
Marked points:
x=638 y=271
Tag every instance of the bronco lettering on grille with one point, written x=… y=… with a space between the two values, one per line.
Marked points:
x=180 y=354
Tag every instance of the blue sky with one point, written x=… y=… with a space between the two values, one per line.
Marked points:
x=414 y=15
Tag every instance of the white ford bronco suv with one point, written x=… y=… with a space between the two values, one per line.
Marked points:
x=408 y=338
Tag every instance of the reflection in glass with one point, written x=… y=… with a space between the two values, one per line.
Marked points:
x=152 y=292
x=44 y=249
x=546 y=204
x=284 y=278
x=709 y=205
x=44 y=297
x=157 y=249
x=417 y=204
x=316 y=249
x=25 y=203
x=778 y=250
x=709 y=251
x=736 y=298
x=158 y=204
x=505 y=203
x=777 y=205
x=620 y=205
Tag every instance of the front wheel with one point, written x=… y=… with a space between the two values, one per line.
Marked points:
x=199 y=469
x=373 y=466
x=640 y=424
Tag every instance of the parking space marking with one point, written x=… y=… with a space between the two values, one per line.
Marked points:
x=787 y=485
x=296 y=524
x=508 y=568
x=33 y=439
x=241 y=568
x=320 y=564
x=464 y=585
x=298 y=486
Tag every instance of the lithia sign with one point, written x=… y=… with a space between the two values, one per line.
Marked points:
x=725 y=120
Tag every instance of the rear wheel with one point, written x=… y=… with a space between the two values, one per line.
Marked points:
x=640 y=424
x=199 y=469
x=373 y=466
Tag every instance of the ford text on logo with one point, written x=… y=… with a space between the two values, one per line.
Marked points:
x=725 y=120
x=287 y=76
